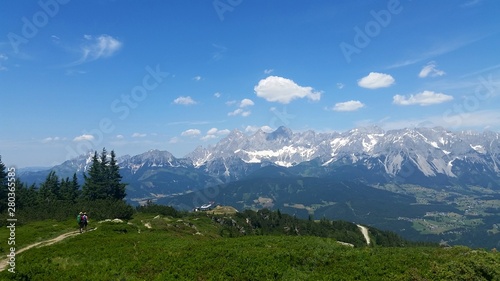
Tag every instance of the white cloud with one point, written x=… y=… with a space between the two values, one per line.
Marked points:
x=376 y=80
x=217 y=95
x=253 y=129
x=351 y=105
x=423 y=99
x=283 y=90
x=95 y=48
x=214 y=133
x=138 y=135
x=120 y=137
x=239 y=111
x=191 y=133
x=84 y=137
x=184 y=100
x=430 y=69
x=197 y=78
x=246 y=102
x=268 y=71
x=340 y=85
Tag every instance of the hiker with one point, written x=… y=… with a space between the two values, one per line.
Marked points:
x=79 y=220
x=85 y=219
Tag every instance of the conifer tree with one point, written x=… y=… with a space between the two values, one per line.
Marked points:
x=3 y=186
x=116 y=187
x=27 y=196
x=50 y=189
x=94 y=186
x=70 y=189
x=103 y=180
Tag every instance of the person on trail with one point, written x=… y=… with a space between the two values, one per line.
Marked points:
x=85 y=220
x=79 y=220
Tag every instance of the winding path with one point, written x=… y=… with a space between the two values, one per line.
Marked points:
x=364 y=230
x=4 y=262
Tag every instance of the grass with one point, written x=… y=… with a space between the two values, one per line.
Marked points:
x=35 y=232
x=171 y=250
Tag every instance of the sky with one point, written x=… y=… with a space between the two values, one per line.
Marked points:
x=131 y=76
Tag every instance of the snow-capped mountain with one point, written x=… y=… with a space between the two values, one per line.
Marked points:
x=430 y=152
x=415 y=155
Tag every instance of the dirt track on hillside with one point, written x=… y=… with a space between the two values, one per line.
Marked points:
x=4 y=262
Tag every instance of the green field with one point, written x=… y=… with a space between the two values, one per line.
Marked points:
x=156 y=247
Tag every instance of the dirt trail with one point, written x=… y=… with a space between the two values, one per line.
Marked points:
x=364 y=230
x=4 y=262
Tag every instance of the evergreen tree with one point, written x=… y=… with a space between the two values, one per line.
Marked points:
x=94 y=186
x=50 y=190
x=104 y=179
x=116 y=187
x=26 y=196
x=70 y=189
x=3 y=186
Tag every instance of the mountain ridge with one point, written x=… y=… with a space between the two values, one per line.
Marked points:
x=433 y=152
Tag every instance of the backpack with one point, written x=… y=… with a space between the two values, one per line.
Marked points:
x=84 y=218
x=78 y=219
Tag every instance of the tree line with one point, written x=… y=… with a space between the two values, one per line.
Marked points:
x=55 y=197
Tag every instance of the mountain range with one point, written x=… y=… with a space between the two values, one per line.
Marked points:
x=430 y=156
x=419 y=182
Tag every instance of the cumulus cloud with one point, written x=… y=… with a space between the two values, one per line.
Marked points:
x=217 y=95
x=240 y=111
x=376 y=80
x=94 y=48
x=424 y=98
x=214 y=133
x=268 y=71
x=246 y=102
x=120 y=137
x=184 y=100
x=283 y=90
x=191 y=133
x=253 y=129
x=351 y=105
x=84 y=137
x=430 y=70
x=340 y=85
x=197 y=78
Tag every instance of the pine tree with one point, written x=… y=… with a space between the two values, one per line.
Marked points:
x=117 y=188
x=94 y=186
x=70 y=189
x=104 y=179
x=26 y=196
x=50 y=189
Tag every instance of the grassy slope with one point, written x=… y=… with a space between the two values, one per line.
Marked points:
x=171 y=249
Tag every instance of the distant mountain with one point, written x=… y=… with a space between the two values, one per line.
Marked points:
x=430 y=156
x=418 y=182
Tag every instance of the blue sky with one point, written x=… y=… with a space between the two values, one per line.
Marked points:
x=172 y=75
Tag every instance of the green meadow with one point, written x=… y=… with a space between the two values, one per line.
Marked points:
x=204 y=246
